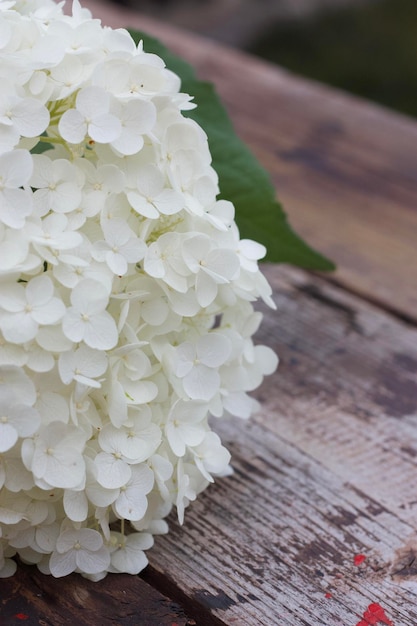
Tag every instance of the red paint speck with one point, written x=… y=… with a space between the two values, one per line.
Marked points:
x=21 y=616
x=358 y=559
x=374 y=614
x=327 y=595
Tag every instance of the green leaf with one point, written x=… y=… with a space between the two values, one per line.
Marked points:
x=40 y=147
x=242 y=179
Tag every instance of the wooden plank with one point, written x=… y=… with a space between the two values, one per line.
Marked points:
x=345 y=170
x=33 y=599
x=325 y=473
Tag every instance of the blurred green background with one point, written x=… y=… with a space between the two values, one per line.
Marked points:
x=369 y=50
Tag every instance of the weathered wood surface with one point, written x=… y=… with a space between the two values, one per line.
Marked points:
x=32 y=599
x=328 y=470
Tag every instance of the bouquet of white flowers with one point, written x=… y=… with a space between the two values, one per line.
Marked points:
x=126 y=314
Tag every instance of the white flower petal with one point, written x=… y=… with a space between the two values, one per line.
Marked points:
x=93 y=562
x=213 y=349
x=116 y=262
x=92 y=101
x=112 y=472
x=62 y=564
x=18 y=327
x=50 y=313
x=72 y=126
x=75 y=505
x=101 y=332
x=39 y=290
x=129 y=560
x=201 y=383
x=8 y=436
x=31 y=117
x=16 y=168
x=104 y=128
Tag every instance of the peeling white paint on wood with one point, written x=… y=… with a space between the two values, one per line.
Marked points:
x=316 y=482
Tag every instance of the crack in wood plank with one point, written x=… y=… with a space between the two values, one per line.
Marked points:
x=316 y=480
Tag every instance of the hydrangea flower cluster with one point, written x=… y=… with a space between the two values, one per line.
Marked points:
x=126 y=297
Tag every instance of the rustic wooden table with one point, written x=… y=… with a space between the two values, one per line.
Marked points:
x=318 y=525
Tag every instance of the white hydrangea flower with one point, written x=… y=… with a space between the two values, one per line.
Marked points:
x=16 y=420
x=127 y=553
x=120 y=247
x=15 y=198
x=198 y=365
x=184 y=426
x=151 y=197
x=58 y=185
x=15 y=257
x=213 y=266
x=54 y=455
x=137 y=118
x=83 y=365
x=126 y=297
x=90 y=117
x=81 y=550
x=51 y=236
x=87 y=319
x=211 y=457
x=20 y=116
x=131 y=503
x=26 y=308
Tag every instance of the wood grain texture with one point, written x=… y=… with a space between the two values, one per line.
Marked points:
x=34 y=599
x=345 y=170
x=325 y=472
